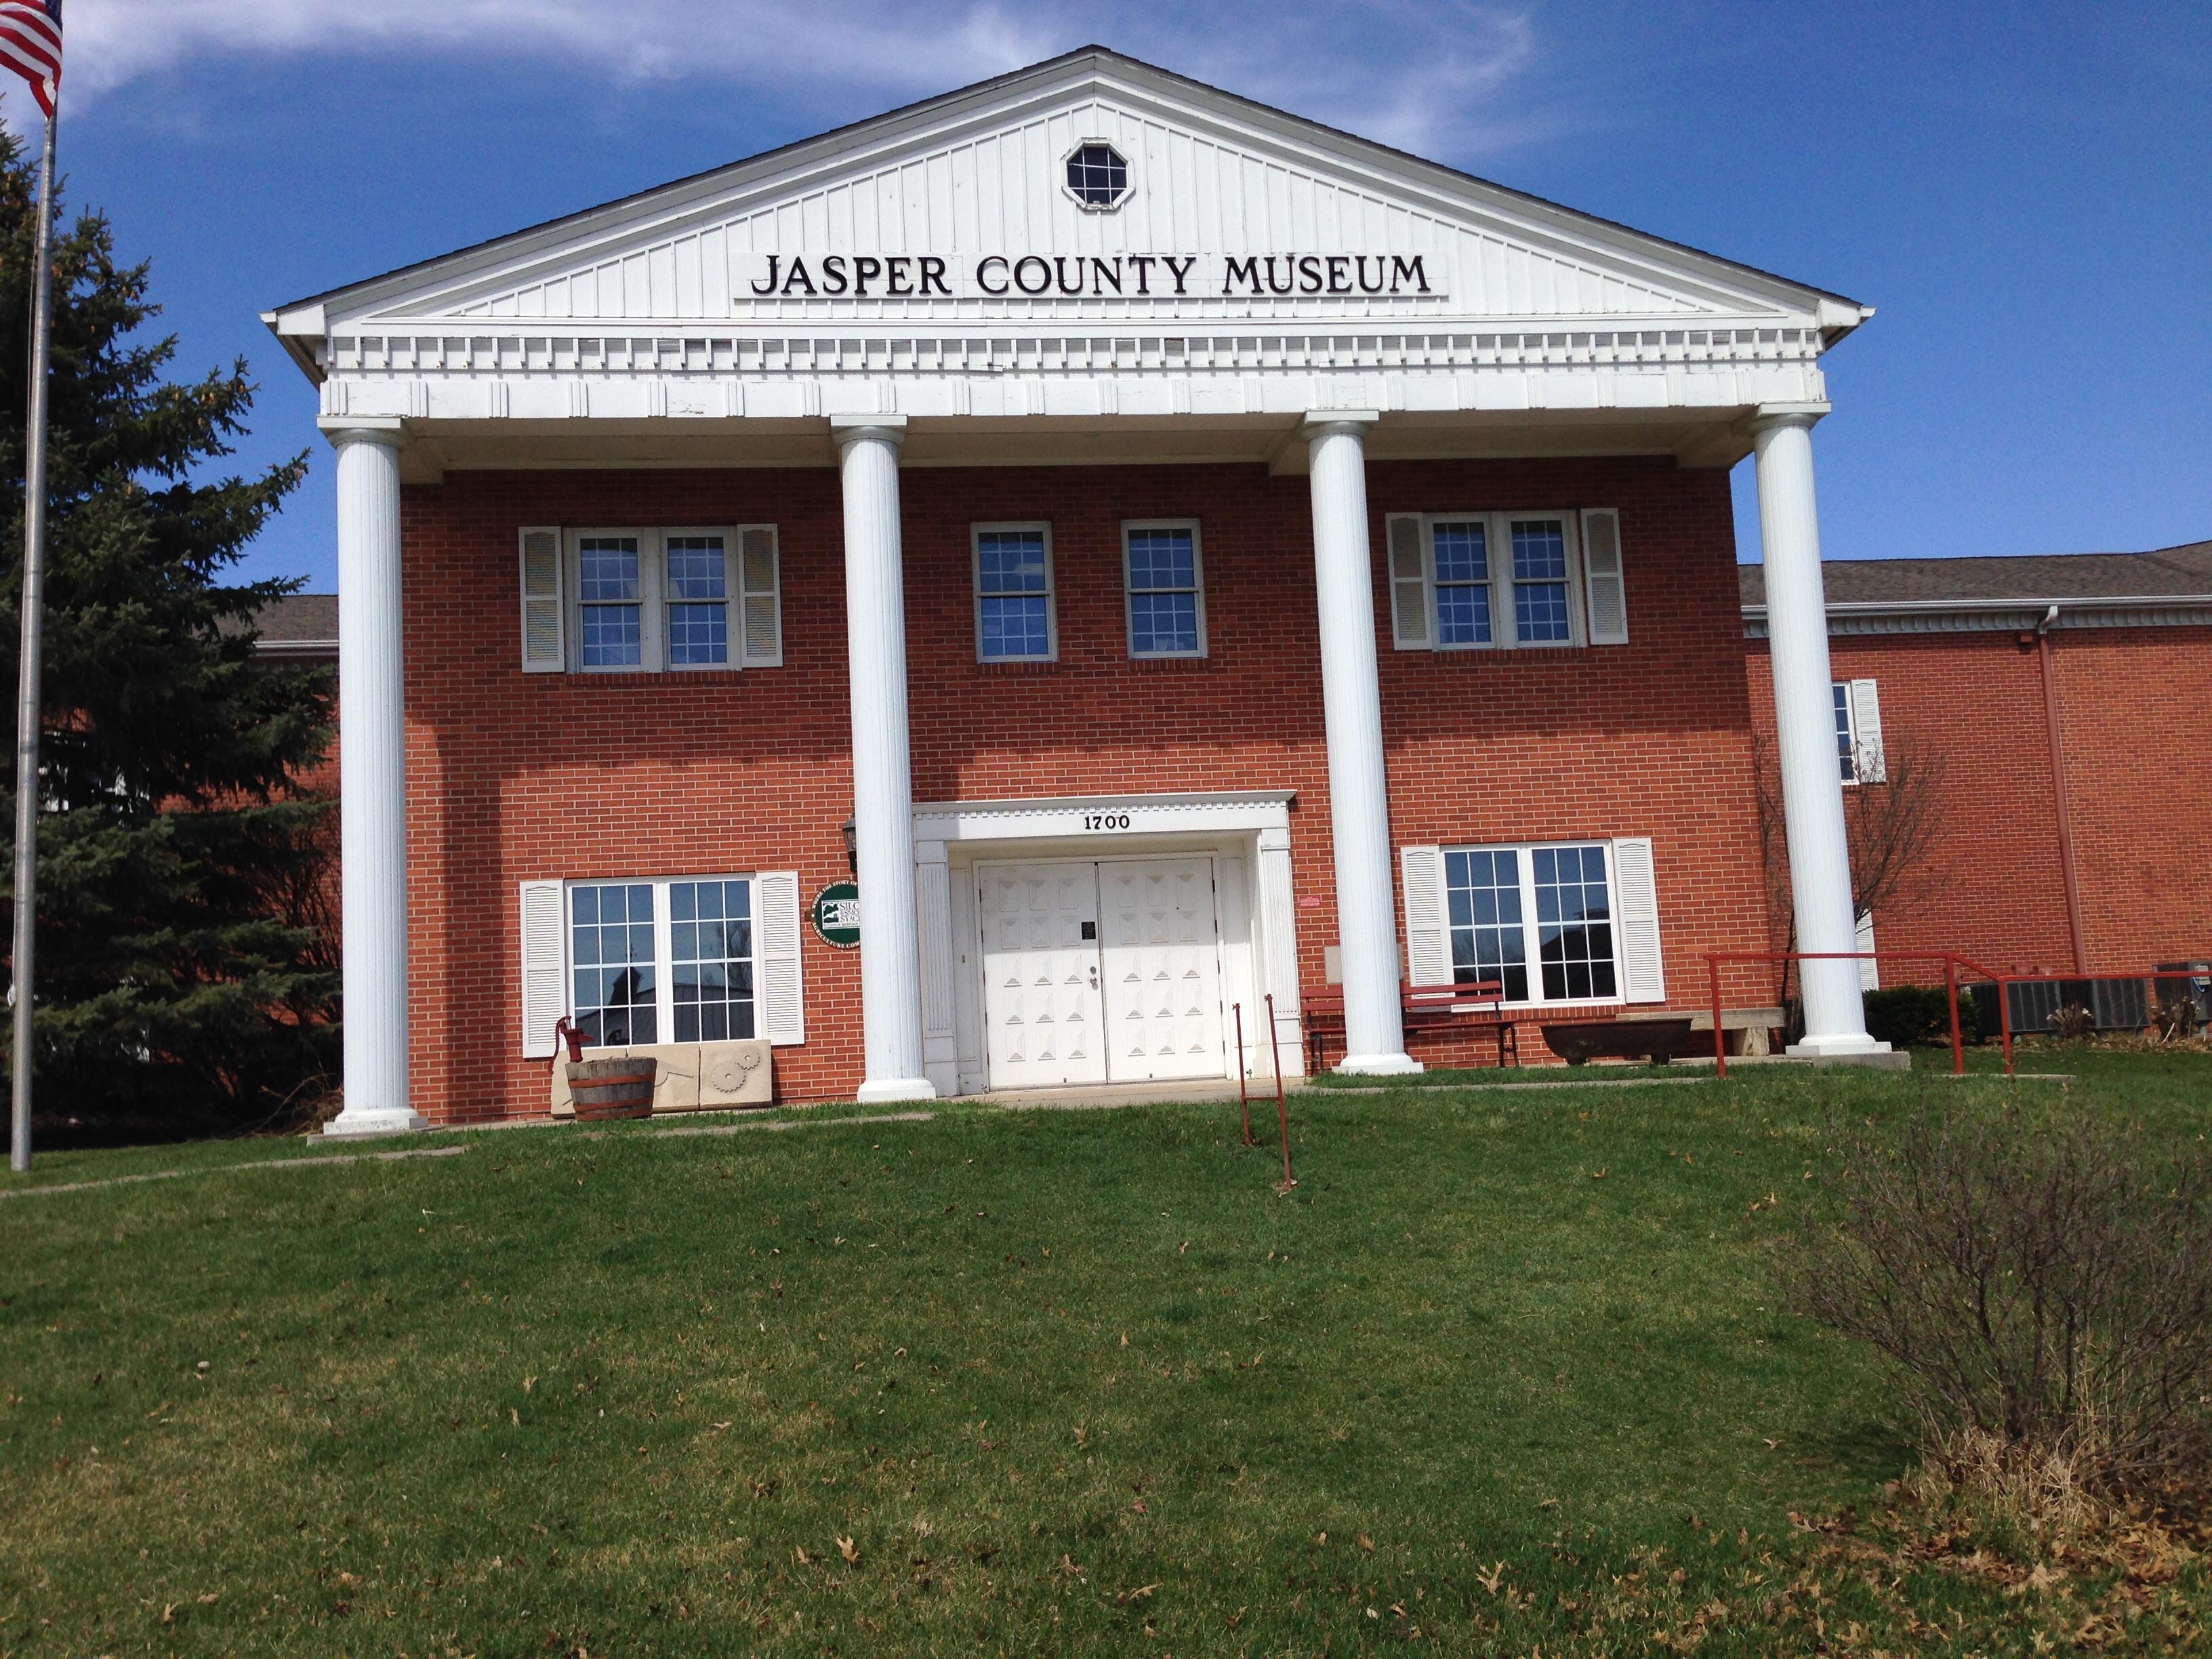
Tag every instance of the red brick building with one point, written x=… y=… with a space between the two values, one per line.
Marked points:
x=2058 y=703
x=1182 y=558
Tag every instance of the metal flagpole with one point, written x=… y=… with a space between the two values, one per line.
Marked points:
x=27 y=699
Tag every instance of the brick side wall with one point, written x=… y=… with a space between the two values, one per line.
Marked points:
x=516 y=777
x=2138 y=788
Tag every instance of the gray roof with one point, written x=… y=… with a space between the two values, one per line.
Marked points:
x=299 y=625
x=2182 y=573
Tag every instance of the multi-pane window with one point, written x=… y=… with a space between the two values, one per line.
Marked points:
x=1166 y=590
x=1482 y=889
x=609 y=612
x=1013 y=593
x=639 y=600
x=611 y=950
x=1097 y=176
x=1467 y=581
x=710 y=949
x=1462 y=581
x=1540 y=609
x=1846 y=742
x=698 y=602
x=665 y=961
x=1546 y=908
x=1574 y=924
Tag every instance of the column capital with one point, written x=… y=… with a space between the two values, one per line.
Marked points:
x=851 y=428
x=1318 y=422
x=386 y=429
x=1767 y=416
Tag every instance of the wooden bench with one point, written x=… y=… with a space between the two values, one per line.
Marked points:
x=1659 y=1040
x=1424 y=1008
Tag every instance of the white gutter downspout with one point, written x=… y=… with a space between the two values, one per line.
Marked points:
x=2065 y=811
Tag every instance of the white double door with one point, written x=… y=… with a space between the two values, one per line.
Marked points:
x=1101 y=971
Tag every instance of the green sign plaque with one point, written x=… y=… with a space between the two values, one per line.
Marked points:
x=837 y=915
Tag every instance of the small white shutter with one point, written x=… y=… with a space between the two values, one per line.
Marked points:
x=1866 y=732
x=543 y=972
x=761 y=596
x=1869 y=969
x=1409 y=582
x=1604 y=584
x=545 y=644
x=783 y=1000
x=1428 y=941
x=1642 y=974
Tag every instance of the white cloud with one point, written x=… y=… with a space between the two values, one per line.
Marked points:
x=1432 y=76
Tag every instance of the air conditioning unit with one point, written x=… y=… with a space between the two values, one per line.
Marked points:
x=2115 y=1004
x=2197 y=987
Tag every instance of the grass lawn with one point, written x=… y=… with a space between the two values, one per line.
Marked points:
x=1502 y=1373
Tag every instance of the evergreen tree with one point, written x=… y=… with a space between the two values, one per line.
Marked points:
x=183 y=981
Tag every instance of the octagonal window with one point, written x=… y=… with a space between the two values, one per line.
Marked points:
x=1097 y=176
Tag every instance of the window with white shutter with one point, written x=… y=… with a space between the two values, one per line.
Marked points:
x=678 y=959
x=1869 y=969
x=783 y=1002
x=1428 y=945
x=1548 y=923
x=1504 y=581
x=1604 y=584
x=1409 y=582
x=544 y=614
x=545 y=997
x=1644 y=976
x=760 y=562
x=1866 y=733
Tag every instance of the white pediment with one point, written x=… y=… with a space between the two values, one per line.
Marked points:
x=955 y=212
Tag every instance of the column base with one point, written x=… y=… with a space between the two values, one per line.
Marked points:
x=1836 y=1048
x=362 y=1124
x=891 y=1091
x=1378 y=1066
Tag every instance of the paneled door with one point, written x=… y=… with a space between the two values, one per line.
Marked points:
x=1160 y=958
x=1042 y=1005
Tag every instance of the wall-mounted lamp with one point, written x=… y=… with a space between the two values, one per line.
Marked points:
x=852 y=834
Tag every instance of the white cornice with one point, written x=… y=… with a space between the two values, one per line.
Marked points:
x=2002 y=615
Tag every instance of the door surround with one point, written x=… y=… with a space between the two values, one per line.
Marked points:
x=1247 y=833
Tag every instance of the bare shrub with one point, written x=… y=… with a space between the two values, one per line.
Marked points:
x=2175 y=1019
x=2046 y=1296
x=2073 y=1024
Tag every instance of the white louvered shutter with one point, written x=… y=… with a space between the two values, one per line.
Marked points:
x=1428 y=939
x=1642 y=974
x=543 y=974
x=761 y=596
x=1603 y=579
x=1866 y=732
x=1869 y=969
x=544 y=633
x=783 y=997
x=1409 y=582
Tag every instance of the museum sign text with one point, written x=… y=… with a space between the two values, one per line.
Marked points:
x=1123 y=276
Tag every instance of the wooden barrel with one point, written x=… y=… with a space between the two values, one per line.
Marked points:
x=604 y=1088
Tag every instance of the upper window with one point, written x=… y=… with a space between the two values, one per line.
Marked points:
x=668 y=961
x=1165 y=580
x=1462 y=581
x=1097 y=176
x=1536 y=921
x=642 y=601
x=1860 y=753
x=1014 y=618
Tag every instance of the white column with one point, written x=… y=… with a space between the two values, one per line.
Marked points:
x=373 y=781
x=1805 y=732
x=883 y=761
x=1352 y=706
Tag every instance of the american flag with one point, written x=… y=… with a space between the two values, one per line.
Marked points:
x=31 y=46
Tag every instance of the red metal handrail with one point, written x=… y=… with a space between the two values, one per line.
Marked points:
x=1951 y=961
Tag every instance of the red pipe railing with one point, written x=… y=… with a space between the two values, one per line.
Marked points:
x=1952 y=963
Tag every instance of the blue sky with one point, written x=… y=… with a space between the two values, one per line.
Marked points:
x=2022 y=190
